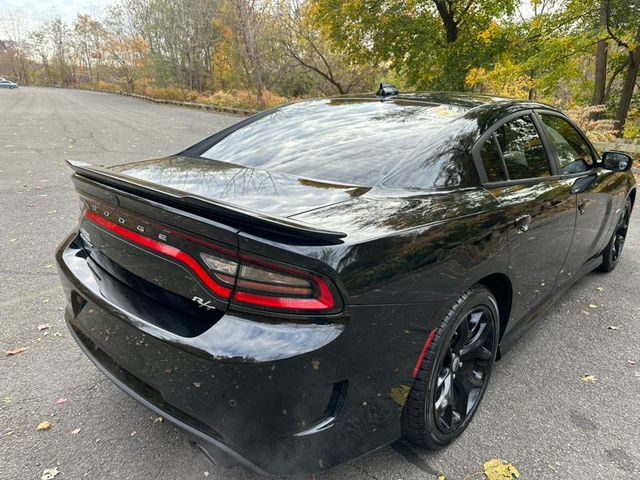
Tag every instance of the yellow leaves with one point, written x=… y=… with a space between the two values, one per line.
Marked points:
x=475 y=76
x=506 y=79
x=589 y=379
x=399 y=394
x=498 y=470
x=486 y=35
x=44 y=426
x=536 y=23
x=442 y=477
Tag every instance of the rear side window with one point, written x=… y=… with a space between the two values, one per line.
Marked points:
x=492 y=161
x=522 y=149
x=574 y=155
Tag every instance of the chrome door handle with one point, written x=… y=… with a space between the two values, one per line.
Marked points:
x=522 y=223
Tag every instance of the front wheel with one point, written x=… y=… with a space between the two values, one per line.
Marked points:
x=455 y=371
x=613 y=250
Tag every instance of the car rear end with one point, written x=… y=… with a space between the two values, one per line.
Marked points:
x=235 y=339
x=192 y=286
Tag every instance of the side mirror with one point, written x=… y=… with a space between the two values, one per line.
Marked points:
x=616 y=161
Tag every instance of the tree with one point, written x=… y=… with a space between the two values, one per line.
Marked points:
x=305 y=43
x=432 y=43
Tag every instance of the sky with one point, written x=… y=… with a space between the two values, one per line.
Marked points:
x=66 y=9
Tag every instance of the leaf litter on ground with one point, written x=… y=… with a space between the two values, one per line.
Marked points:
x=499 y=470
x=16 y=351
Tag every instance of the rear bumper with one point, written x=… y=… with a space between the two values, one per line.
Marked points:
x=218 y=452
x=278 y=397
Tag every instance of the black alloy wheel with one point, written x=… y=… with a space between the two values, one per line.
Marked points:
x=613 y=250
x=464 y=369
x=455 y=371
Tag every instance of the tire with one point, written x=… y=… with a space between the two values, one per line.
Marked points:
x=613 y=250
x=435 y=426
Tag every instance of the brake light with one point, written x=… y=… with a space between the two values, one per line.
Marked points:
x=269 y=286
x=246 y=281
x=163 y=248
x=262 y=286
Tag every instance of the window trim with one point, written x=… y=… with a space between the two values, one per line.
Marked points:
x=538 y=112
x=551 y=159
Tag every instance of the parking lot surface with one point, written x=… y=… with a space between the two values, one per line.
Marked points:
x=538 y=414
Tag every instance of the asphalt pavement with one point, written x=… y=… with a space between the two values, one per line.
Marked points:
x=538 y=414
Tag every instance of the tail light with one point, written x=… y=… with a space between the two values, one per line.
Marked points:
x=245 y=281
x=268 y=287
x=271 y=287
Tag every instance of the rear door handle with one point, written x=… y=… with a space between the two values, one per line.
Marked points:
x=522 y=223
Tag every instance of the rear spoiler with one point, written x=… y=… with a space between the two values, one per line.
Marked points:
x=239 y=217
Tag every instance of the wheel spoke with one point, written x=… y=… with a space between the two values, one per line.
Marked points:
x=463 y=389
x=481 y=354
x=462 y=335
x=476 y=343
x=444 y=404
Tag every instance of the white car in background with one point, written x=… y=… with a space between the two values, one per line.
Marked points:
x=4 y=83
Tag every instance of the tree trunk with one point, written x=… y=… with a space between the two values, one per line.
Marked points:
x=600 y=79
x=447 y=15
x=628 y=86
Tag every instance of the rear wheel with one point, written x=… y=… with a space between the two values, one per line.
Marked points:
x=613 y=250
x=455 y=371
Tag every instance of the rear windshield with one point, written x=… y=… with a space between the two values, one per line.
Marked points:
x=344 y=141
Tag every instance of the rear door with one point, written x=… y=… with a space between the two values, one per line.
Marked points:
x=592 y=186
x=539 y=205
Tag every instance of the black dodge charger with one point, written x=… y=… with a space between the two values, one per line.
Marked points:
x=329 y=276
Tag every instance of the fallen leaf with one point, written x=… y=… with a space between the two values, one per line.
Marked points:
x=167 y=371
x=196 y=384
x=442 y=477
x=599 y=289
x=498 y=470
x=50 y=265
x=46 y=300
x=399 y=394
x=589 y=379
x=205 y=473
x=44 y=326
x=315 y=364
x=158 y=420
x=591 y=305
x=133 y=433
x=16 y=351
x=50 y=473
x=75 y=431
x=613 y=327
x=44 y=425
x=60 y=401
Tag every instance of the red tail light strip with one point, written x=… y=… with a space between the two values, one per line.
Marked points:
x=164 y=249
x=416 y=369
x=323 y=302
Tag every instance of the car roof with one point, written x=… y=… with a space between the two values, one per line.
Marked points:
x=459 y=100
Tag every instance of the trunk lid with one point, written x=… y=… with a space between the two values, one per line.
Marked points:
x=268 y=192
